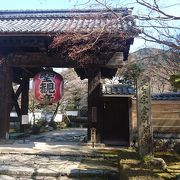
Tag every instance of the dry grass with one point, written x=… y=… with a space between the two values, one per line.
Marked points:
x=132 y=167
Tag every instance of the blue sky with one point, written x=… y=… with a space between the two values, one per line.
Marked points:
x=69 y=4
x=45 y=4
x=53 y=4
x=80 y=4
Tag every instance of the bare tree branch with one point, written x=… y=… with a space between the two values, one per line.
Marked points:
x=156 y=8
x=167 y=43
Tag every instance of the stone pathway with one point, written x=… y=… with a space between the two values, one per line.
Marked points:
x=35 y=165
x=61 y=157
x=74 y=135
x=21 y=166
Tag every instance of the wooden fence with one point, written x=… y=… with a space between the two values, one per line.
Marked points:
x=165 y=116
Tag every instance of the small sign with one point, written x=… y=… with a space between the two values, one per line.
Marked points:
x=94 y=114
x=58 y=118
x=25 y=119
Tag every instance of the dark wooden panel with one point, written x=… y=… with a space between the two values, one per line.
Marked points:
x=5 y=98
x=115 y=117
x=24 y=98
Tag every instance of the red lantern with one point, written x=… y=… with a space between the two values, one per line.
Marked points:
x=48 y=87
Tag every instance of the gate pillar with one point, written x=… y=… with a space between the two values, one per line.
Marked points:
x=5 y=97
x=94 y=89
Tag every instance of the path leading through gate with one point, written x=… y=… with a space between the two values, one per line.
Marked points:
x=53 y=155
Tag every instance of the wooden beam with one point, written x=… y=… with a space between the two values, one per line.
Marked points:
x=18 y=73
x=17 y=80
x=25 y=43
x=116 y=61
x=24 y=98
x=5 y=97
x=26 y=60
x=25 y=95
x=15 y=100
x=33 y=59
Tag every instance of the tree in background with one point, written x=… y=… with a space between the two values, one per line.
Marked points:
x=156 y=64
x=129 y=73
x=162 y=28
x=158 y=25
x=74 y=89
x=175 y=81
x=161 y=67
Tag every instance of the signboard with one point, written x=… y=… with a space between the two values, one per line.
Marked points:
x=58 y=118
x=25 y=119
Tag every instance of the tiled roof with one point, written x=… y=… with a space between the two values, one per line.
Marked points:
x=124 y=90
x=118 y=89
x=167 y=96
x=68 y=21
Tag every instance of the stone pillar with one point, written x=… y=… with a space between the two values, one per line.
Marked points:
x=5 y=97
x=145 y=134
x=94 y=89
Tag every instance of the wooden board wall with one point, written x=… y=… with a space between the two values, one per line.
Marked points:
x=165 y=116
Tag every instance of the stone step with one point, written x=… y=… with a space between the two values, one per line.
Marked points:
x=7 y=177
x=21 y=165
x=70 y=154
x=70 y=172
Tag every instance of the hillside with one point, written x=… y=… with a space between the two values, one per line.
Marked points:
x=145 y=53
x=158 y=64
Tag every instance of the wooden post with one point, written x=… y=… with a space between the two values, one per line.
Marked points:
x=5 y=98
x=24 y=97
x=94 y=89
x=145 y=135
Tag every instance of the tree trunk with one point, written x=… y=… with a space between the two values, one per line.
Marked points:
x=55 y=112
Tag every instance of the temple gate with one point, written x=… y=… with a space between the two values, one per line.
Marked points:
x=28 y=43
